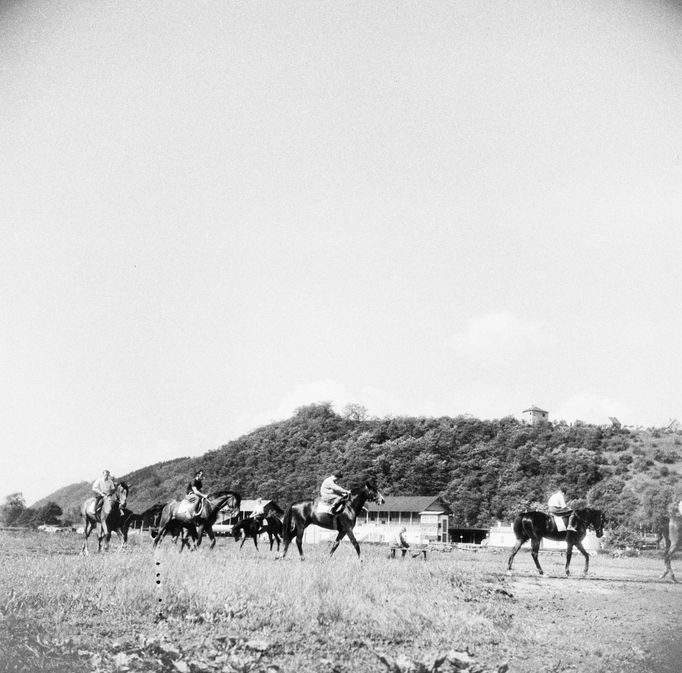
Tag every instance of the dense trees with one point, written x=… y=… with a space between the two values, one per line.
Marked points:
x=15 y=513
x=487 y=470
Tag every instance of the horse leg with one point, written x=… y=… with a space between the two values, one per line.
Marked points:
x=255 y=539
x=287 y=542
x=278 y=541
x=299 y=540
x=354 y=542
x=584 y=552
x=517 y=546
x=159 y=536
x=534 y=549
x=569 y=553
x=86 y=530
x=340 y=537
x=667 y=558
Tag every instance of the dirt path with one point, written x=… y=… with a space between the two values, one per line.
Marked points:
x=618 y=621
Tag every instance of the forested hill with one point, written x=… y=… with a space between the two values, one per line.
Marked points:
x=487 y=470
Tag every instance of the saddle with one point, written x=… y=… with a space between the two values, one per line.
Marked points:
x=188 y=506
x=559 y=522
x=327 y=508
x=323 y=507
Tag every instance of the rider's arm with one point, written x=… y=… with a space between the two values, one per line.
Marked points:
x=198 y=492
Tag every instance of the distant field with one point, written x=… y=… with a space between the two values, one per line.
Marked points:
x=230 y=611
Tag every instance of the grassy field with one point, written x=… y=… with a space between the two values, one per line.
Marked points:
x=242 y=611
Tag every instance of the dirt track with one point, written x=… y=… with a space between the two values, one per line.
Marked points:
x=619 y=618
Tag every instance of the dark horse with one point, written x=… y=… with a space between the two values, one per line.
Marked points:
x=534 y=526
x=176 y=514
x=250 y=528
x=301 y=514
x=673 y=538
x=112 y=516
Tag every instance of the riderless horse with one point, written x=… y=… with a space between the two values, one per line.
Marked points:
x=112 y=516
x=194 y=524
x=534 y=526
x=300 y=515
x=271 y=524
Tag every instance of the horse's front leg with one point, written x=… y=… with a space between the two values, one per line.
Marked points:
x=340 y=537
x=86 y=532
x=354 y=542
x=584 y=552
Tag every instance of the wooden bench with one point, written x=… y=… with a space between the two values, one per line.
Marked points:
x=414 y=550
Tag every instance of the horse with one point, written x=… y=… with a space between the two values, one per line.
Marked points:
x=176 y=515
x=112 y=516
x=300 y=515
x=673 y=538
x=534 y=526
x=251 y=528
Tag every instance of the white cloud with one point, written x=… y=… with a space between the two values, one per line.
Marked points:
x=498 y=335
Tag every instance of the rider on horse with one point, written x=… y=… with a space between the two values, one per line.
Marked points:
x=557 y=507
x=332 y=494
x=104 y=487
x=258 y=513
x=195 y=496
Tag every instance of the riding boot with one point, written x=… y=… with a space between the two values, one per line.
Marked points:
x=571 y=523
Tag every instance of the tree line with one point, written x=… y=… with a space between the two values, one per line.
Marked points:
x=485 y=470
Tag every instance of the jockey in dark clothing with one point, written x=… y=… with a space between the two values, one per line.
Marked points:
x=194 y=492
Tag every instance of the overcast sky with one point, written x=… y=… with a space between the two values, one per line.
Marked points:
x=213 y=213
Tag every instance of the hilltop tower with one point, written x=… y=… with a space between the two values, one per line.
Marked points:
x=534 y=415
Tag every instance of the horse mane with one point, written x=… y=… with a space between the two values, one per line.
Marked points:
x=223 y=492
x=219 y=495
x=124 y=486
x=274 y=507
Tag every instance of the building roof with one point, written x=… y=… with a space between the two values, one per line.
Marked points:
x=408 y=503
x=534 y=408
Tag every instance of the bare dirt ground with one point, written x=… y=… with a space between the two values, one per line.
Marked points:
x=621 y=617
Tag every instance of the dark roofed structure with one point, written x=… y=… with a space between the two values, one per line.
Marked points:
x=409 y=503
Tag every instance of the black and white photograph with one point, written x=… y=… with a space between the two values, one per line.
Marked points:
x=340 y=336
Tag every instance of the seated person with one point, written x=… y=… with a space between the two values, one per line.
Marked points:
x=195 y=496
x=557 y=507
x=332 y=494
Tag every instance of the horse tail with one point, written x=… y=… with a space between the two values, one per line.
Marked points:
x=287 y=529
x=523 y=527
x=517 y=526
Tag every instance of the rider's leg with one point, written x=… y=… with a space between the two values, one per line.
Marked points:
x=571 y=522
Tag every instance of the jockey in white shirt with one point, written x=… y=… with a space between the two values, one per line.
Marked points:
x=332 y=494
x=557 y=507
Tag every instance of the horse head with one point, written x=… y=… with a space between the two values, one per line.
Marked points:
x=122 y=494
x=598 y=522
x=372 y=492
